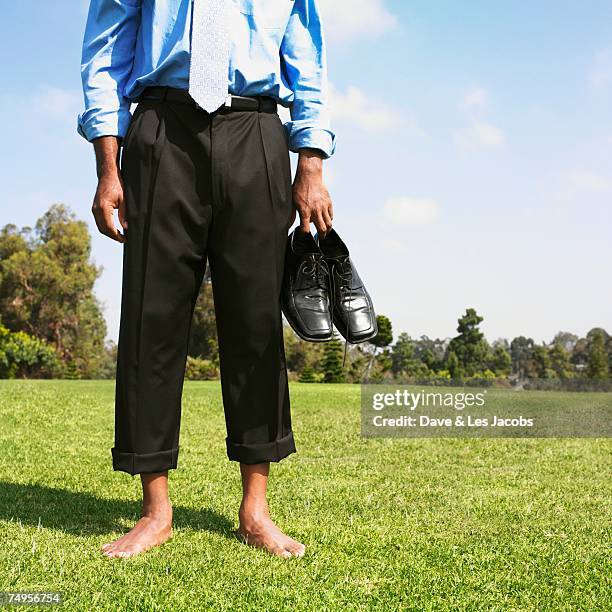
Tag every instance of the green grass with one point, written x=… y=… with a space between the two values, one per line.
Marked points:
x=390 y=524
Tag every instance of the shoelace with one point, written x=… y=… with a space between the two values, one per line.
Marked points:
x=345 y=272
x=318 y=272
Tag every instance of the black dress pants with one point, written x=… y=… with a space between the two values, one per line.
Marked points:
x=201 y=187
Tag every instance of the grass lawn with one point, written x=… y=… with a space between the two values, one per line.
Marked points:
x=389 y=524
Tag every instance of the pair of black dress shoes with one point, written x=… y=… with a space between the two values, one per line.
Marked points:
x=321 y=287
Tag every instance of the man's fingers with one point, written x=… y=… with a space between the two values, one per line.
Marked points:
x=123 y=215
x=106 y=223
x=109 y=222
x=305 y=223
x=327 y=219
x=114 y=233
x=321 y=225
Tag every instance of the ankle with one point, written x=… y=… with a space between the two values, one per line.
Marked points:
x=161 y=510
x=253 y=510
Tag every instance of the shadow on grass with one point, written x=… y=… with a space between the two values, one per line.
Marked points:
x=81 y=513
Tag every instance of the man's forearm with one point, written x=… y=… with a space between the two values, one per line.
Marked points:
x=107 y=156
x=310 y=162
x=310 y=196
x=109 y=194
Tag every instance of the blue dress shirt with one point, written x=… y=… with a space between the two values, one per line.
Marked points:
x=277 y=50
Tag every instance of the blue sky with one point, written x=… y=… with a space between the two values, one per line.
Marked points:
x=473 y=160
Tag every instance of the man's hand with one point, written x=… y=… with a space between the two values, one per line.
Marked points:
x=310 y=196
x=109 y=194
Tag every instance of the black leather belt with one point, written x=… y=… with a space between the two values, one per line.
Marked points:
x=263 y=104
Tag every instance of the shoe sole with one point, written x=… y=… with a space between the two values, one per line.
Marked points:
x=301 y=335
x=361 y=338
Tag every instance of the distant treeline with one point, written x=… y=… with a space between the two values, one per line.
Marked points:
x=51 y=325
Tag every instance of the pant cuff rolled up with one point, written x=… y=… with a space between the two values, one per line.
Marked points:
x=261 y=453
x=138 y=463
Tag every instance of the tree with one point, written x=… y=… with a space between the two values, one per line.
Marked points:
x=501 y=362
x=503 y=342
x=203 y=335
x=357 y=362
x=560 y=360
x=46 y=288
x=598 y=358
x=382 y=365
x=332 y=361
x=403 y=360
x=580 y=354
x=307 y=375
x=383 y=338
x=566 y=340
x=89 y=351
x=470 y=345
x=453 y=366
x=540 y=365
x=402 y=354
x=300 y=354
x=521 y=349
x=596 y=331
x=431 y=353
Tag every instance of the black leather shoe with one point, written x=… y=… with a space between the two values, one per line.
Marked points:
x=305 y=298
x=353 y=311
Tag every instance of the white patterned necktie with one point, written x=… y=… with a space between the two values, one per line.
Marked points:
x=208 y=72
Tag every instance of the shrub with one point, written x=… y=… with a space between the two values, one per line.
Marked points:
x=201 y=369
x=24 y=356
x=308 y=375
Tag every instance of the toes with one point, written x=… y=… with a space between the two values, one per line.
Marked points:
x=300 y=551
x=296 y=549
x=120 y=554
x=281 y=552
x=112 y=551
x=112 y=554
x=280 y=546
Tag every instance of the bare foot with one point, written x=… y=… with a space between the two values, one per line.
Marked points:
x=151 y=530
x=257 y=529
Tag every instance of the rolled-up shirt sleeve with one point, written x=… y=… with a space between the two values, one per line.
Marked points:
x=108 y=56
x=304 y=65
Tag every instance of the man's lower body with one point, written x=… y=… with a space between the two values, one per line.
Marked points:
x=203 y=187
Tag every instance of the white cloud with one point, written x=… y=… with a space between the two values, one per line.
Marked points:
x=479 y=135
x=591 y=181
x=394 y=246
x=354 y=106
x=57 y=101
x=410 y=211
x=475 y=99
x=344 y=21
x=600 y=73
